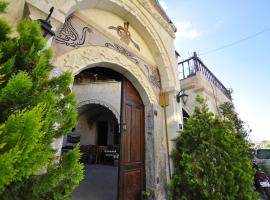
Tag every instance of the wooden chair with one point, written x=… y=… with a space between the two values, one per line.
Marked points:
x=100 y=154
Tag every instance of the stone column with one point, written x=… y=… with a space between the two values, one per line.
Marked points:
x=155 y=151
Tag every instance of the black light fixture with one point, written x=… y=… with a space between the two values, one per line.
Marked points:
x=46 y=26
x=182 y=96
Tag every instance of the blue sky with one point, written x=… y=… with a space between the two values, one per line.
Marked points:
x=245 y=67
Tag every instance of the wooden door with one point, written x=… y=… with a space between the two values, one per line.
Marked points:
x=132 y=170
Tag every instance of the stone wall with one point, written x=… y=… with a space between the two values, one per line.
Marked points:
x=198 y=84
x=107 y=94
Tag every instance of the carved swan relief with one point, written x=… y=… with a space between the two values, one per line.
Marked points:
x=69 y=36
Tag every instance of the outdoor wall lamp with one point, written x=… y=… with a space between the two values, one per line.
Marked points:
x=46 y=26
x=182 y=96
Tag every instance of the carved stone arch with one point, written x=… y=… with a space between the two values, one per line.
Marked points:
x=102 y=103
x=90 y=56
x=133 y=12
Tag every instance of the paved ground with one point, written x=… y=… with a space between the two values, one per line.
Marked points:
x=100 y=183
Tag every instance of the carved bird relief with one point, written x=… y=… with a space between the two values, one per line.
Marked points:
x=69 y=36
x=124 y=34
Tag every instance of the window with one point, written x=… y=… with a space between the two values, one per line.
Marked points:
x=263 y=153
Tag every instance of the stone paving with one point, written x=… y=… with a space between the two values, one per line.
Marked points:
x=99 y=183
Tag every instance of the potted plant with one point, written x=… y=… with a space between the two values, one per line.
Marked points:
x=147 y=195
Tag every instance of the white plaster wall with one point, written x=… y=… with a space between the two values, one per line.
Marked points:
x=87 y=130
x=108 y=92
x=105 y=94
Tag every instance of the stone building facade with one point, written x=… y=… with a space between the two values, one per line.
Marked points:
x=135 y=39
x=197 y=79
x=132 y=43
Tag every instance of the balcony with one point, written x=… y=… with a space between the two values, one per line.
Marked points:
x=197 y=79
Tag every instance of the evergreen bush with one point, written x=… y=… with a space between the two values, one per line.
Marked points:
x=211 y=158
x=33 y=112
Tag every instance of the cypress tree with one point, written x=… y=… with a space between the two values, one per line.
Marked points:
x=34 y=110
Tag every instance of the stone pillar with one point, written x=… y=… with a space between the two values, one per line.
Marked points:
x=155 y=151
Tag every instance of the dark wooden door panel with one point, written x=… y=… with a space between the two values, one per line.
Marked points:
x=132 y=184
x=136 y=151
x=126 y=134
x=132 y=174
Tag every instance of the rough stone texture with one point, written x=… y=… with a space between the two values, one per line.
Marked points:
x=200 y=85
x=156 y=157
x=150 y=159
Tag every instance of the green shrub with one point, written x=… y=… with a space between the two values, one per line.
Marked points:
x=33 y=111
x=211 y=158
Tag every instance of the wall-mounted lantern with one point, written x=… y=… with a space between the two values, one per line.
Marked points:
x=46 y=26
x=182 y=96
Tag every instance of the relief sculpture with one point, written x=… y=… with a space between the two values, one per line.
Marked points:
x=69 y=36
x=124 y=34
x=155 y=78
x=122 y=51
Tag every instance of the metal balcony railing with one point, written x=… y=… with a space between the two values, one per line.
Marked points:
x=191 y=66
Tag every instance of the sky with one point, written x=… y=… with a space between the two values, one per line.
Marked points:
x=204 y=26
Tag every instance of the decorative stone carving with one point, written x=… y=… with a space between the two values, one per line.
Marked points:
x=152 y=73
x=78 y=59
x=63 y=8
x=124 y=34
x=154 y=78
x=69 y=36
x=135 y=10
x=122 y=51
x=68 y=39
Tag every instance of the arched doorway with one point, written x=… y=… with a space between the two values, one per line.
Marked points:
x=156 y=165
x=98 y=129
x=111 y=119
x=132 y=64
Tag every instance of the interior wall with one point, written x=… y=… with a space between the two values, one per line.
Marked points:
x=87 y=130
x=107 y=93
x=87 y=127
